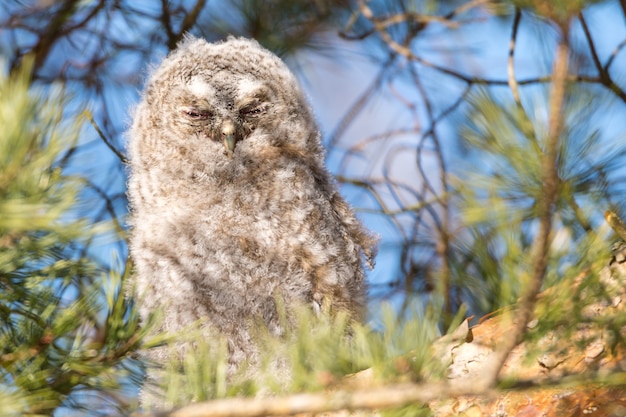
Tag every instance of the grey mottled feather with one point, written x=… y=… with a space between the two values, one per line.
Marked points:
x=219 y=235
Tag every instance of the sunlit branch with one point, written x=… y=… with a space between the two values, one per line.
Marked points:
x=616 y=51
x=511 y=63
x=166 y=21
x=364 y=399
x=541 y=244
x=406 y=52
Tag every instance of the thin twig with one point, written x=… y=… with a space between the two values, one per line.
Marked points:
x=52 y=32
x=368 y=186
x=414 y=17
x=465 y=7
x=358 y=105
x=511 y=64
x=117 y=153
x=592 y=47
x=406 y=52
x=192 y=17
x=604 y=76
x=616 y=51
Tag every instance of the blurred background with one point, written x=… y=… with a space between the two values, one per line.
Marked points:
x=433 y=114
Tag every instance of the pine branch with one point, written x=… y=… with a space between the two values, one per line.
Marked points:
x=394 y=395
x=541 y=244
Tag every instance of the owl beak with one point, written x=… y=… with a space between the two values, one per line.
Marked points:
x=228 y=135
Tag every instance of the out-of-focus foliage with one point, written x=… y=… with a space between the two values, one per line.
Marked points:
x=459 y=175
x=313 y=356
x=66 y=332
x=283 y=26
x=499 y=203
x=556 y=10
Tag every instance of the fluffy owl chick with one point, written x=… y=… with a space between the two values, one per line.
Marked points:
x=231 y=205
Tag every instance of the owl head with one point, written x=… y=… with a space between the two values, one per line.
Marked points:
x=222 y=101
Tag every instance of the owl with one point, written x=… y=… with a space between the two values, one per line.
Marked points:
x=232 y=207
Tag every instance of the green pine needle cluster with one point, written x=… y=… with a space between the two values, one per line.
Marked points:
x=317 y=352
x=66 y=330
x=499 y=204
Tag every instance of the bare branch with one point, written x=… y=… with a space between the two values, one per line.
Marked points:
x=443 y=245
x=358 y=105
x=605 y=77
x=414 y=17
x=592 y=47
x=190 y=20
x=364 y=399
x=117 y=153
x=53 y=31
x=166 y=20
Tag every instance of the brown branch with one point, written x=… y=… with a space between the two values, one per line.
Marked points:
x=363 y=399
x=414 y=17
x=511 y=64
x=541 y=245
x=191 y=18
x=52 y=32
x=423 y=20
x=368 y=186
x=465 y=7
x=166 y=21
x=109 y=145
x=616 y=51
x=405 y=51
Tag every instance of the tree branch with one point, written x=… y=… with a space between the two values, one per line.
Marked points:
x=109 y=145
x=511 y=64
x=363 y=399
x=541 y=245
x=604 y=76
